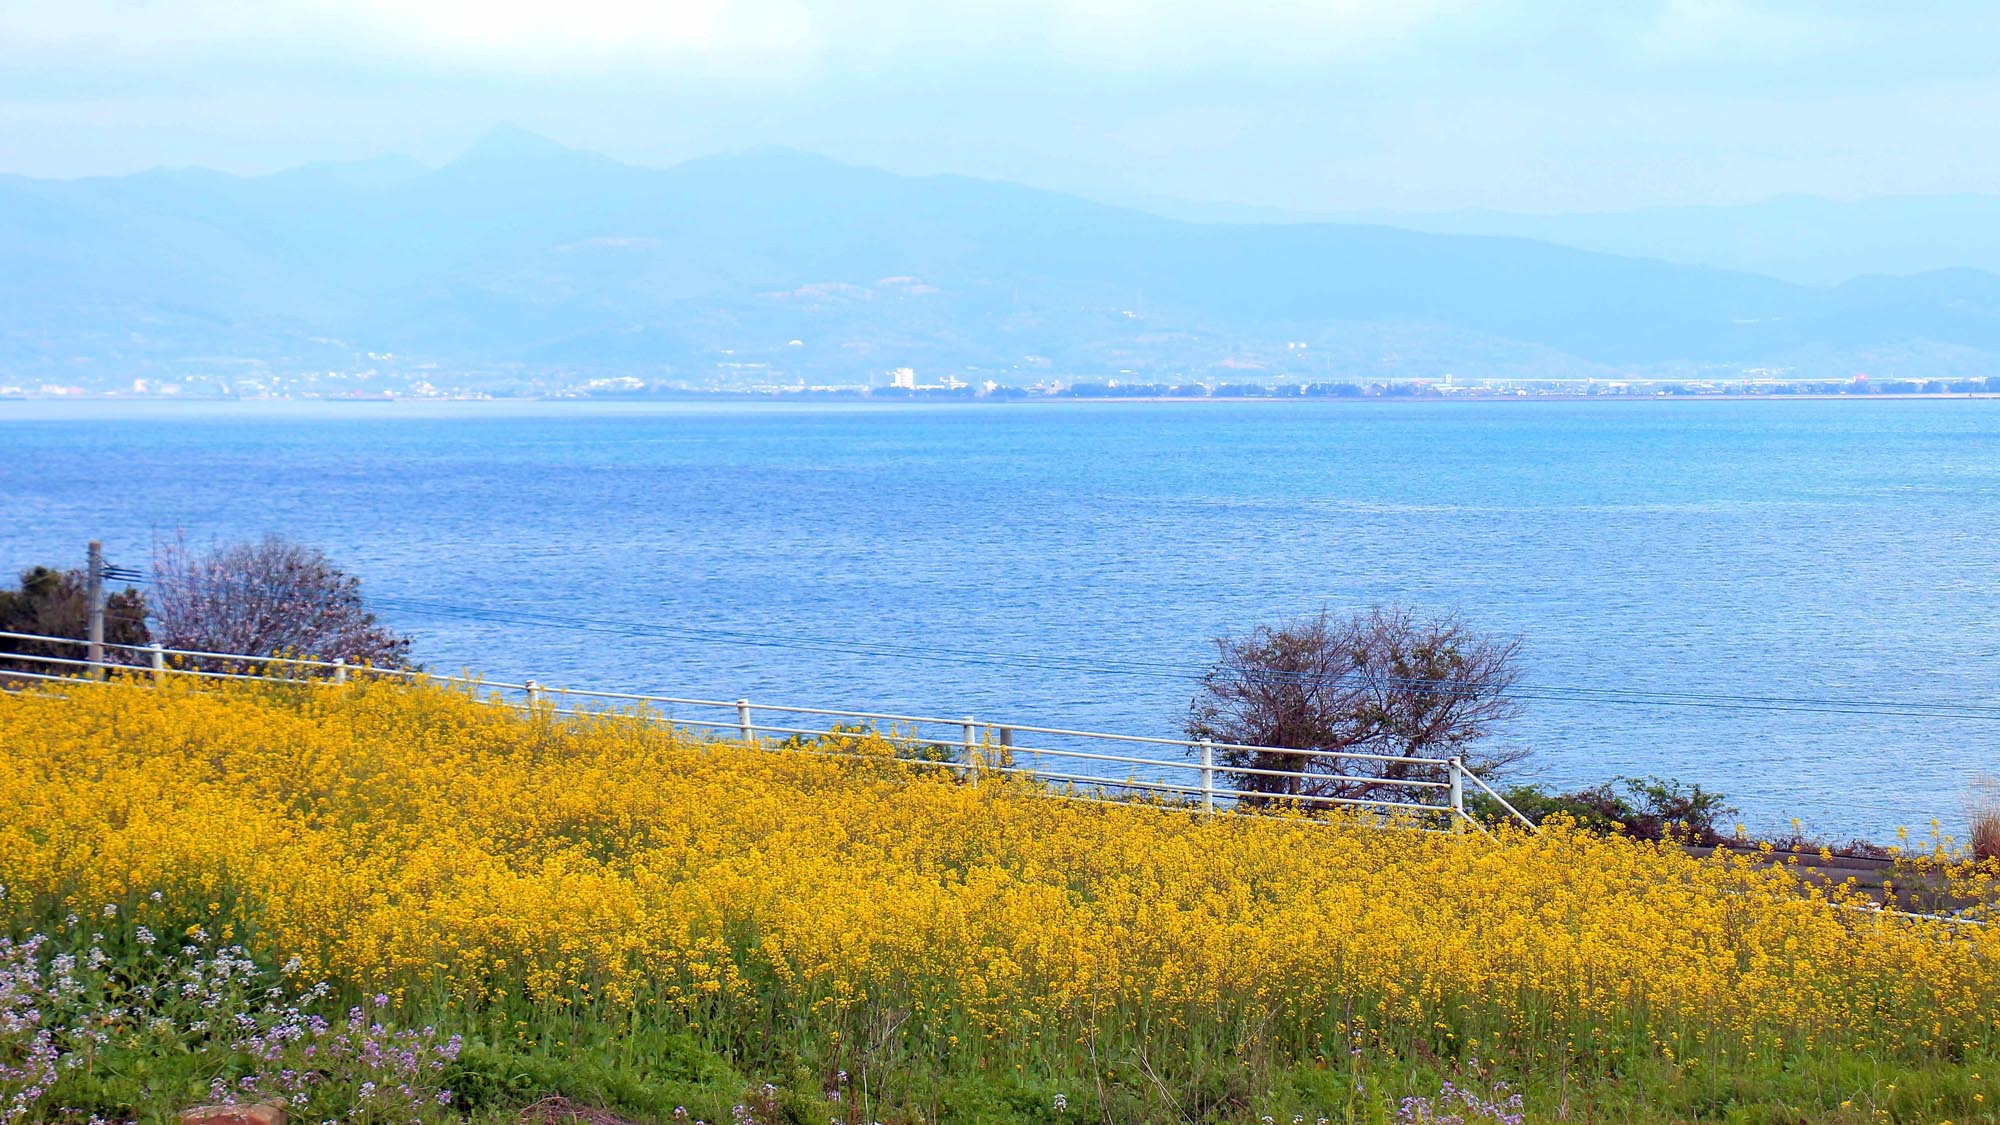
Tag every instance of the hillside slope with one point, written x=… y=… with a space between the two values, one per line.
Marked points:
x=527 y=254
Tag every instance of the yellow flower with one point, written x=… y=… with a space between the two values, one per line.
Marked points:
x=418 y=838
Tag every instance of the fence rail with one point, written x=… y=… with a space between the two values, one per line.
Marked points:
x=1082 y=762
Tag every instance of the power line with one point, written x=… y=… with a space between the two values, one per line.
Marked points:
x=1113 y=666
x=1101 y=665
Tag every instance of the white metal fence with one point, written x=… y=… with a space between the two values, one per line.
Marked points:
x=1207 y=777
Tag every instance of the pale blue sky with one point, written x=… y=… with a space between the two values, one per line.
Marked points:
x=1405 y=104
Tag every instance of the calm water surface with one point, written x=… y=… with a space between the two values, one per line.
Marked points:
x=1840 y=551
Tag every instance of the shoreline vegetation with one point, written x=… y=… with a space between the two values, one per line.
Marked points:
x=467 y=913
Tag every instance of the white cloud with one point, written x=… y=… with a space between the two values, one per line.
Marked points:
x=1274 y=29
x=1299 y=103
x=530 y=35
x=1738 y=31
x=538 y=35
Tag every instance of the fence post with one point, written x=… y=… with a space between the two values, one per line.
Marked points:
x=340 y=669
x=743 y=726
x=1207 y=776
x=971 y=748
x=159 y=652
x=533 y=691
x=1007 y=747
x=1457 y=795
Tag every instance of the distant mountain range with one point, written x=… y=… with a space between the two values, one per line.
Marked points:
x=524 y=256
x=1800 y=238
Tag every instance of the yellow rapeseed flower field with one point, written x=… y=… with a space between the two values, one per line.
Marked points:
x=415 y=839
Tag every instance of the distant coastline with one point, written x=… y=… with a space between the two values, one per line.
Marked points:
x=8 y=402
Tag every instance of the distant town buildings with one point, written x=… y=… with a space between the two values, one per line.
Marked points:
x=389 y=377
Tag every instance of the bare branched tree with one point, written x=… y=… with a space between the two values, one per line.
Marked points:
x=1387 y=682
x=271 y=597
x=1284 y=686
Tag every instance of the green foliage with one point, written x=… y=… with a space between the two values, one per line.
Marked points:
x=932 y=759
x=1598 y=809
x=1652 y=808
x=105 y=1018
x=1669 y=807
x=158 y=1049
x=54 y=603
x=639 y=1069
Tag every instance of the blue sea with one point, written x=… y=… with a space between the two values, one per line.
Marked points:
x=1795 y=602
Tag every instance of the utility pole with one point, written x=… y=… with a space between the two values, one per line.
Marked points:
x=93 y=585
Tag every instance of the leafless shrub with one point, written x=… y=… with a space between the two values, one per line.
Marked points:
x=270 y=597
x=1982 y=808
x=1387 y=682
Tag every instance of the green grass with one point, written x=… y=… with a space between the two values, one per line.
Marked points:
x=651 y=1063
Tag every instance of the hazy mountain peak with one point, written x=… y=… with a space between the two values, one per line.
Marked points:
x=771 y=158
x=523 y=250
x=509 y=143
x=367 y=172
